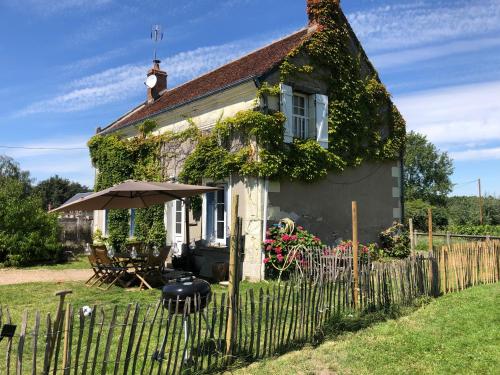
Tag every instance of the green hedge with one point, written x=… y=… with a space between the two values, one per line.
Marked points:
x=478 y=230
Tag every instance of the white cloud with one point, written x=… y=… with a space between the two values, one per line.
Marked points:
x=480 y=154
x=456 y=116
x=409 y=56
x=45 y=7
x=423 y=22
x=124 y=82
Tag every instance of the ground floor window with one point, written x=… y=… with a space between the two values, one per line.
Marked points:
x=216 y=216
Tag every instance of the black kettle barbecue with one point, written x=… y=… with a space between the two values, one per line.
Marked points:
x=182 y=288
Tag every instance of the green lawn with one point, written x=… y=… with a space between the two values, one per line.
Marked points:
x=40 y=296
x=81 y=262
x=455 y=334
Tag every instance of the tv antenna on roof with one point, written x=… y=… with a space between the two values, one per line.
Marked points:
x=156 y=37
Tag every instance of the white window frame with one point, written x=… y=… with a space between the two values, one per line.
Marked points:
x=303 y=118
x=210 y=237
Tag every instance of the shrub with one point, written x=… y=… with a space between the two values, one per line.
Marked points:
x=417 y=210
x=477 y=230
x=395 y=241
x=282 y=241
x=28 y=234
x=371 y=250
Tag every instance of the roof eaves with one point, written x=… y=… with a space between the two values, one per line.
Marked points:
x=108 y=129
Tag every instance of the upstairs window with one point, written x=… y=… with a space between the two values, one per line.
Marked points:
x=300 y=116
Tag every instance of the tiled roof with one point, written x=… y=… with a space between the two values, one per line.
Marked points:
x=247 y=67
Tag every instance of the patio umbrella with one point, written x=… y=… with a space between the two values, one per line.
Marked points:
x=134 y=194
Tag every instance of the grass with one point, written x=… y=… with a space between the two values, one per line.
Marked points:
x=457 y=333
x=80 y=262
x=40 y=296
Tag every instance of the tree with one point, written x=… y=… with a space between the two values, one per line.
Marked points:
x=28 y=234
x=9 y=168
x=427 y=171
x=56 y=190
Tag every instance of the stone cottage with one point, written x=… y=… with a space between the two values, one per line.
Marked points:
x=341 y=140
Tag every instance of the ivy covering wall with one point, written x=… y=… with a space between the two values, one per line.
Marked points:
x=363 y=125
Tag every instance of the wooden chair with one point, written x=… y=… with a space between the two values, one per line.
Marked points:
x=113 y=272
x=153 y=267
x=94 y=264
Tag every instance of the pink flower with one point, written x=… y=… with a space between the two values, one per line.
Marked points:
x=280 y=258
x=293 y=238
x=300 y=228
x=268 y=241
x=278 y=249
x=269 y=247
x=285 y=237
x=266 y=260
x=316 y=239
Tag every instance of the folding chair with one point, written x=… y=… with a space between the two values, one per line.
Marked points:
x=94 y=264
x=153 y=266
x=113 y=271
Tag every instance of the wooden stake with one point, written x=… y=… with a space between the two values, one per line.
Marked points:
x=59 y=314
x=480 y=202
x=412 y=239
x=430 y=228
x=355 y=250
x=233 y=275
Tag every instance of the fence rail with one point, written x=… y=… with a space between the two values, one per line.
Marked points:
x=181 y=338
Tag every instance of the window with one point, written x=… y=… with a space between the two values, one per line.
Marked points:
x=131 y=232
x=216 y=216
x=220 y=215
x=178 y=217
x=300 y=116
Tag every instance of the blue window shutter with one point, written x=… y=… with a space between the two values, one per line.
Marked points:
x=132 y=223
x=321 y=116
x=286 y=104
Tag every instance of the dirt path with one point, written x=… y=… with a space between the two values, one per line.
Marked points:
x=16 y=276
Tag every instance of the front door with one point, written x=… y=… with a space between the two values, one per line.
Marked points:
x=178 y=224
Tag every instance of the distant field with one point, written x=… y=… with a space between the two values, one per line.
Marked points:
x=455 y=334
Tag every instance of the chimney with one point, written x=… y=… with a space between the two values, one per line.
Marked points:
x=161 y=81
x=313 y=10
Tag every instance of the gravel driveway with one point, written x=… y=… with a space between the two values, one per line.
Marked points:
x=17 y=276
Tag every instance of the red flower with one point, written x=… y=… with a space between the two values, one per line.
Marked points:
x=280 y=258
x=278 y=249
x=266 y=260
x=285 y=237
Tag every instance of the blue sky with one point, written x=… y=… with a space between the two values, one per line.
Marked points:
x=68 y=66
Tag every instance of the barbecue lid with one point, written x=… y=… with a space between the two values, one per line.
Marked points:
x=185 y=287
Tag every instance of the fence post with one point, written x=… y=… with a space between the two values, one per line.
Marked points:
x=355 y=250
x=430 y=228
x=448 y=239
x=412 y=239
x=233 y=276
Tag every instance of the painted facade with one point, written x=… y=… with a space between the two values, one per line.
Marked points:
x=322 y=207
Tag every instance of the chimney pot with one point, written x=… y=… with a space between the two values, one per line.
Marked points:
x=161 y=81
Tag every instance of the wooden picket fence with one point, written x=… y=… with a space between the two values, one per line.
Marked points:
x=152 y=340
x=464 y=265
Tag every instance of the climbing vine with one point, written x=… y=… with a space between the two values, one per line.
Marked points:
x=363 y=124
